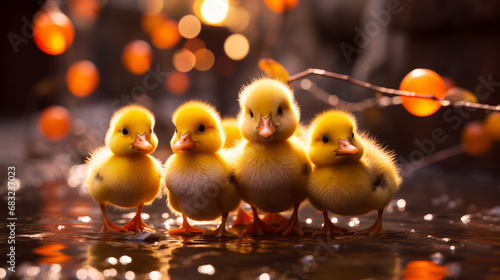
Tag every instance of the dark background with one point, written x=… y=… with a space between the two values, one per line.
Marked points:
x=457 y=39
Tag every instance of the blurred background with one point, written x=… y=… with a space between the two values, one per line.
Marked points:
x=92 y=57
x=67 y=65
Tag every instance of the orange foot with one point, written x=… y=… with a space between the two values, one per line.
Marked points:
x=329 y=228
x=107 y=225
x=292 y=226
x=374 y=229
x=274 y=218
x=242 y=218
x=186 y=229
x=136 y=224
x=258 y=227
x=221 y=231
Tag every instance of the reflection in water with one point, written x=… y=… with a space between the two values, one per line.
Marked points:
x=424 y=270
x=51 y=254
x=120 y=260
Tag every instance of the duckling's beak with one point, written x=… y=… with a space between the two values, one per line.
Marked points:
x=266 y=126
x=141 y=143
x=346 y=148
x=184 y=143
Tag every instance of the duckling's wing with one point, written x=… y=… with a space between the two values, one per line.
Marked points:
x=381 y=165
x=94 y=176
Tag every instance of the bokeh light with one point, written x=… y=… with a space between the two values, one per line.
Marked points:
x=236 y=47
x=204 y=59
x=237 y=19
x=137 y=56
x=53 y=32
x=281 y=6
x=177 y=82
x=82 y=78
x=422 y=82
x=424 y=270
x=475 y=141
x=194 y=44
x=214 y=11
x=54 y=123
x=150 y=21
x=84 y=12
x=492 y=125
x=189 y=26
x=225 y=66
x=166 y=34
x=184 y=60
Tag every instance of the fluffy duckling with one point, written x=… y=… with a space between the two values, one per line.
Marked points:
x=200 y=182
x=271 y=170
x=123 y=173
x=352 y=174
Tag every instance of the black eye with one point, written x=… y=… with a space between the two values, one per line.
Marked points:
x=201 y=128
x=325 y=139
x=280 y=111
x=251 y=114
x=125 y=132
x=151 y=131
x=352 y=136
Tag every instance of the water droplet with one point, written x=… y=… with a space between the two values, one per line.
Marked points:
x=129 y=275
x=165 y=215
x=59 y=227
x=81 y=274
x=401 y=204
x=264 y=276
x=452 y=247
x=3 y=273
x=309 y=221
x=33 y=271
x=412 y=230
x=335 y=220
x=206 y=269
x=446 y=239
x=85 y=219
x=112 y=260
x=155 y=275
x=465 y=219
x=429 y=217
x=125 y=259
x=437 y=258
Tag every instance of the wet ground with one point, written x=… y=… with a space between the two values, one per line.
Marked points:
x=443 y=224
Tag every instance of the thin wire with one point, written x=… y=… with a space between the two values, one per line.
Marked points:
x=444 y=102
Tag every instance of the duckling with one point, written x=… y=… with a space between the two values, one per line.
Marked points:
x=352 y=174
x=123 y=173
x=233 y=137
x=199 y=181
x=271 y=170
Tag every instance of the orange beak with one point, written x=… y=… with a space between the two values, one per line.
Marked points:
x=346 y=148
x=184 y=143
x=266 y=127
x=141 y=143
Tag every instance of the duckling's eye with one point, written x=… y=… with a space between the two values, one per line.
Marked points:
x=201 y=128
x=125 y=132
x=251 y=114
x=325 y=139
x=151 y=131
x=352 y=136
x=280 y=111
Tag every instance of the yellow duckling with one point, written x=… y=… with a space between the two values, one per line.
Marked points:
x=272 y=169
x=199 y=181
x=352 y=174
x=123 y=173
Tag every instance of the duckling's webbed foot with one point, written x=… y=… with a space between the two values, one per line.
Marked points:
x=274 y=219
x=329 y=228
x=186 y=229
x=242 y=218
x=107 y=225
x=292 y=226
x=258 y=227
x=221 y=231
x=374 y=229
x=136 y=224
